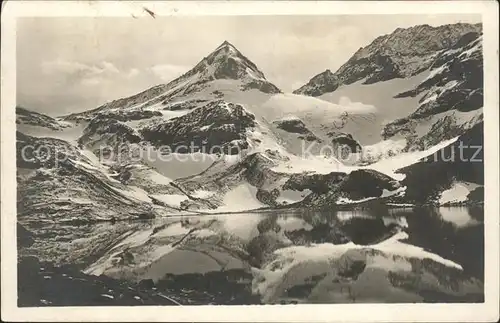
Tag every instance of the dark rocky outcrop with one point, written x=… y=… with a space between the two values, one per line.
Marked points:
x=296 y=126
x=317 y=183
x=322 y=83
x=217 y=127
x=292 y=125
x=426 y=179
x=261 y=85
x=344 y=144
x=34 y=153
x=105 y=136
x=268 y=197
x=364 y=183
x=327 y=189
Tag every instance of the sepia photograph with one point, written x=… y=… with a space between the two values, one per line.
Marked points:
x=162 y=159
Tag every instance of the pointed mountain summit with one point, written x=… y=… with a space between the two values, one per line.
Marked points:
x=227 y=62
x=224 y=63
x=227 y=46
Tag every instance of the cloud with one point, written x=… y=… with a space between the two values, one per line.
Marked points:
x=169 y=72
x=133 y=73
x=72 y=86
x=356 y=107
x=93 y=81
x=109 y=67
x=79 y=70
x=61 y=66
x=85 y=74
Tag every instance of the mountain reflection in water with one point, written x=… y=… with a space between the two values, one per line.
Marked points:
x=305 y=256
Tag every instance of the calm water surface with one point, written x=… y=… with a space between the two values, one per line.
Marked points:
x=397 y=255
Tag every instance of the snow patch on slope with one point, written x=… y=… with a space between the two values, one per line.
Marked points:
x=240 y=198
x=457 y=192
x=285 y=104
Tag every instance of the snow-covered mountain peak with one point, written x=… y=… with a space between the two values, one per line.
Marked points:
x=227 y=62
x=227 y=46
x=224 y=70
x=404 y=53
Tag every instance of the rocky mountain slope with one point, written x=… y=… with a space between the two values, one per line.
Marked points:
x=59 y=183
x=105 y=132
x=401 y=54
x=216 y=127
x=451 y=96
x=421 y=79
x=31 y=118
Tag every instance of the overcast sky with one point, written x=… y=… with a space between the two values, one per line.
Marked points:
x=67 y=65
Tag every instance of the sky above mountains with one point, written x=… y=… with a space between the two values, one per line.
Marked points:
x=67 y=65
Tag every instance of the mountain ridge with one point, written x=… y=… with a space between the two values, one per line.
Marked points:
x=224 y=63
x=32 y=118
x=389 y=56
